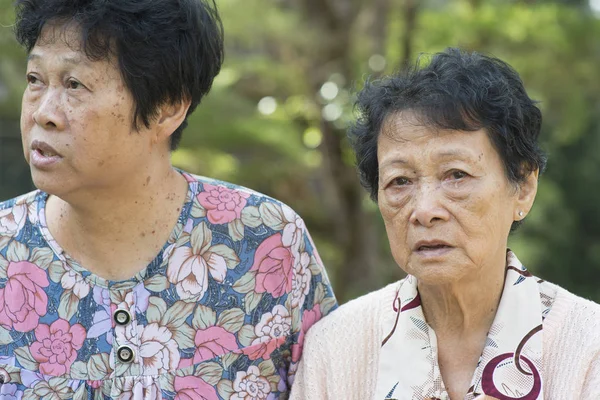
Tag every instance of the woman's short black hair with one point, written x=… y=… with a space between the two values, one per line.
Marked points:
x=167 y=50
x=457 y=90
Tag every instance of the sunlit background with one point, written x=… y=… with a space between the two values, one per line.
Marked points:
x=276 y=118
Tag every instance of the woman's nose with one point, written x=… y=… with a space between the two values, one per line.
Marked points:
x=428 y=205
x=49 y=114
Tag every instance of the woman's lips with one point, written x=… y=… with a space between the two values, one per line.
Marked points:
x=43 y=160
x=43 y=155
x=433 y=251
x=432 y=248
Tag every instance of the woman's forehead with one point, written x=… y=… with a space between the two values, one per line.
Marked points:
x=61 y=47
x=67 y=37
x=407 y=126
x=402 y=141
x=61 y=33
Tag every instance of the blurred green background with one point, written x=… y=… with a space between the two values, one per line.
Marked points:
x=275 y=120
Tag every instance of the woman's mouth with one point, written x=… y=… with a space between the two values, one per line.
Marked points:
x=46 y=153
x=432 y=248
x=43 y=156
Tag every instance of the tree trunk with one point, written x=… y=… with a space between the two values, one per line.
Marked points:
x=353 y=228
x=410 y=21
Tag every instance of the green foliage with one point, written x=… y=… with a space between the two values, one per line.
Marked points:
x=12 y=65
x=275 y=51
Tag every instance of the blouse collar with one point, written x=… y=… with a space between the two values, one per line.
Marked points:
x=510 y=365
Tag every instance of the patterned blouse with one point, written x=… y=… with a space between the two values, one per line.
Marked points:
x=510 y=366
x=220 y=313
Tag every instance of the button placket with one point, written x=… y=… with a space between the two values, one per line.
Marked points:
x=125 y=354
x=126 y=339
x=122 y=317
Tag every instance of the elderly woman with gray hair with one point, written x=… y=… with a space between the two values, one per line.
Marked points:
x=450 y=154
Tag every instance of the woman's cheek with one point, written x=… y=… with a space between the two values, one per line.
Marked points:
x=395 y=198
x=458 y=190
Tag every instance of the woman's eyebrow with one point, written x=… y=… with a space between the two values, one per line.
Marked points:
x=393 y=161
x=74 y=60
x=455 y=153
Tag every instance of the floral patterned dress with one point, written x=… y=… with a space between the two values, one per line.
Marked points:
x=220 y=313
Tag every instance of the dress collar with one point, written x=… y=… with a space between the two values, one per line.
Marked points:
x=510 y=365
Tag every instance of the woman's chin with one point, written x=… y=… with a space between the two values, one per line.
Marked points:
x=440 y=272
x=50 y=183
x=430 y=278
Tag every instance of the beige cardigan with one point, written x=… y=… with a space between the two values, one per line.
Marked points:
x=341 y=352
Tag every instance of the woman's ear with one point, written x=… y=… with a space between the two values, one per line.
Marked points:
x=170 y=117
x=526 y=195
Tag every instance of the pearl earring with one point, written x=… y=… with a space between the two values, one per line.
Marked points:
x=520 y=213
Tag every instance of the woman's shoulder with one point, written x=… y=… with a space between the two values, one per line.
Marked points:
x=585 y=311
x=587 y=307
x=225 y=201
x=14 y=213
x=574 y=315
x=206 y=184
x=568 y=303
x=571 y=346
x=24 y=199
x=361 y=314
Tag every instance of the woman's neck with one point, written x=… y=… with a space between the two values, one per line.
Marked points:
x=468 y=305
x=127 y=226
x=461 y=315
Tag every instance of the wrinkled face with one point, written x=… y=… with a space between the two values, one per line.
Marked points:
x=76 y=119
x=445 y=200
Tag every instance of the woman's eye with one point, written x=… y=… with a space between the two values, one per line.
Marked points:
x=402 y=181
x=457 y=174
x=73 y=84
x=31 y=79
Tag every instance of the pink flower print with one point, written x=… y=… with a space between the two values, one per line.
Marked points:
x=222 y=204
x=274 y=264
x=250 y=385
x=301 y=281
x=309 y=318
x=23 y=300
x=97 y=384
x=158 y=349
x=193 y=388
x=56 y=346
x=185 y=362
x=74 y=281
x=212 y=342
x=271 y=332
x=189 y=177
x=13 y=219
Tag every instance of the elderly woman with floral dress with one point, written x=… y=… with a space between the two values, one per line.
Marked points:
x=449 y=152
x=122 y=277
